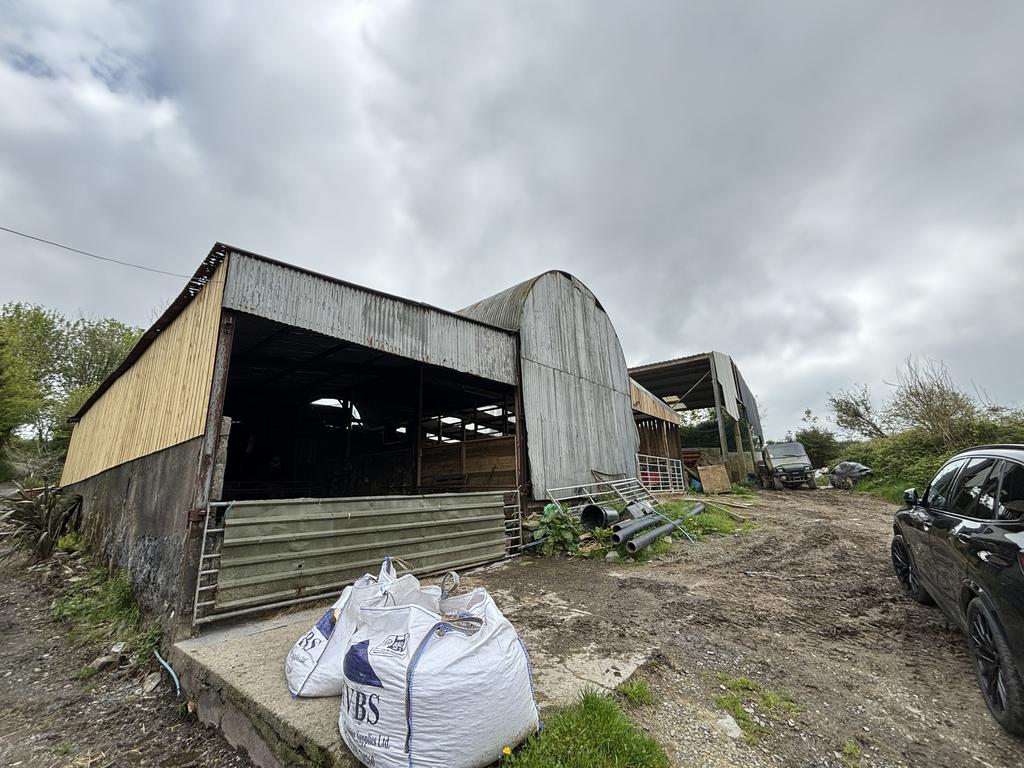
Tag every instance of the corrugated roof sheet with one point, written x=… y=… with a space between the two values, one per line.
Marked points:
x=505 y=308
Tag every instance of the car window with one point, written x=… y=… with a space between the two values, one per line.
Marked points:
x=1011 y=493
x=936 y=495
x=968 y=497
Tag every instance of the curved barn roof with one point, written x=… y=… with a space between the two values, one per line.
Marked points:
x=505 y=308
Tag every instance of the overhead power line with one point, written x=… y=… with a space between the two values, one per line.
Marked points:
x=93 y=255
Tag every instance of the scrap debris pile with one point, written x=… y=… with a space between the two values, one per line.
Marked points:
x=425 y=676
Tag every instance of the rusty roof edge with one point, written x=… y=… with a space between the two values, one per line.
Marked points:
x=199 y=279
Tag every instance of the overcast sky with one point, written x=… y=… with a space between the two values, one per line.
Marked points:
x=818 y=189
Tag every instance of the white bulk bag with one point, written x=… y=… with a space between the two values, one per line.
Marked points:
x=313 y=665
x=443 y=688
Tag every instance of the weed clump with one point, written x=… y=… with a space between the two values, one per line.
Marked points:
x=752 y=705
x=637 y=692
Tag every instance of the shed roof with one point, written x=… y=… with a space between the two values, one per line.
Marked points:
x=686 y=383
x=201 y=277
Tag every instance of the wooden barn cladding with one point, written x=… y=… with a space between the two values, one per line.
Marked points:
x=161 y=399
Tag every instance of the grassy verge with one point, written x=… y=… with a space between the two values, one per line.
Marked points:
x=102 y=610
x=592 y=733
x=890 y=490
x=753 y=706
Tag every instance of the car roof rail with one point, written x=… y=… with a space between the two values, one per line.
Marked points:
x=996 y=446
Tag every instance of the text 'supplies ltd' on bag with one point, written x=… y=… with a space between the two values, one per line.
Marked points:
x=432 y=681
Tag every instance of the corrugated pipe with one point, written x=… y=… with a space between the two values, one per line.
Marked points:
x=624 y=531
x=640 y=542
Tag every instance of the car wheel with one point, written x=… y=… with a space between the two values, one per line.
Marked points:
x=777 y=484
x=812 y=484
x=998 y=678
x=906 y=572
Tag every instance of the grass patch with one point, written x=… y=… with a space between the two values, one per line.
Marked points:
x=890 y=490
x=743 y=490
x=851 y=754
x=764 y=704
x=103 y=610
x=637 y=692
x=592 y=733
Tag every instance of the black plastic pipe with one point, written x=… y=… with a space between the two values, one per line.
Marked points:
x=640 y=542
x=625 y=531
x=594 y=516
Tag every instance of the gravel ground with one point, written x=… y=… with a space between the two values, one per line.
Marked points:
x=51 y=717
x=805 y=603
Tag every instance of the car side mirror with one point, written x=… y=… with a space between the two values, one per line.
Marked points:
x=911 y=498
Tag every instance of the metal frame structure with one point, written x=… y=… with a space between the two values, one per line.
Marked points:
x=659 y=473
x=571 y=499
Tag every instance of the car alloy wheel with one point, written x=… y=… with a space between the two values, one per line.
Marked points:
x=989 y=663
x=904 y=568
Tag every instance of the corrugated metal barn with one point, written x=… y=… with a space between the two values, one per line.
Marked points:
x=277 y=430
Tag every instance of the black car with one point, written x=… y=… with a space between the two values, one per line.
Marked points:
x=961 y=545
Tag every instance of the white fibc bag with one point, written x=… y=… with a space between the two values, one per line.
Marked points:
x=313 y=665
x=435 y=683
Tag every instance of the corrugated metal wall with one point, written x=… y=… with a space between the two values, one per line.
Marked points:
x=576 y=394
x=414 y=331
x=281 y=550
x=162 y=400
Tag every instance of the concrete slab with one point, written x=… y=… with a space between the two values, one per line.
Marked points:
x=236 y=677
x=238 y=673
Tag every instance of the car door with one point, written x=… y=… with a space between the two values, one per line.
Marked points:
x=917 y=521
x=991 y=551
x=969 y=509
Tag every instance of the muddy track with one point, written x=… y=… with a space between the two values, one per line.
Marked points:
x=806 y=603
x=50 y=717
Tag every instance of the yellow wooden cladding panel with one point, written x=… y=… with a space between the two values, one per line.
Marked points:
x=646 y=403
x=162 y=400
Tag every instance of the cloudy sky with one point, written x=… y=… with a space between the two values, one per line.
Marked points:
x=818 y=189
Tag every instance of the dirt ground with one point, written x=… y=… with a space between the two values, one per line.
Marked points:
x=51 y=717
x=806 y=603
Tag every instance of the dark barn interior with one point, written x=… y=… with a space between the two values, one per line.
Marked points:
x=313 y=416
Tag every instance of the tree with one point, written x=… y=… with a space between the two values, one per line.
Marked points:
x=90 y=350
x=32 y=339
x=926 y=397
x=853 y=410
x=49 y=365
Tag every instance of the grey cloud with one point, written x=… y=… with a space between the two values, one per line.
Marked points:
x=816 y=189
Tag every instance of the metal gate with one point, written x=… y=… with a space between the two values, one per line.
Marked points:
x=260 y=555
x=660 y=474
